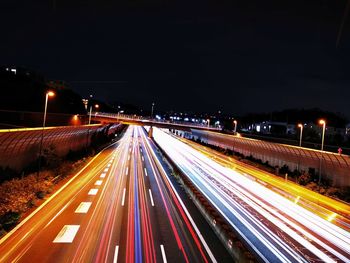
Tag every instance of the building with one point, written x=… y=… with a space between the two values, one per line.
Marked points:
x=272 y=127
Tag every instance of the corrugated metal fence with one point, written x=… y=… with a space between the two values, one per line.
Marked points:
x=20 y=147
x=334 y=167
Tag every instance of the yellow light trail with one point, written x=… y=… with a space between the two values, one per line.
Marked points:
x=325 y=206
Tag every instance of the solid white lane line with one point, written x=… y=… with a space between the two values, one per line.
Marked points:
x=145 y=171
x=151 y=197
x=67 y=234
x=123 y=199
x=115 y=259
x=163 y=253
x=106 y=170
x=83 y=208
x=93 y=191
x=127 y=171
x=103 y=175
x=98 y=182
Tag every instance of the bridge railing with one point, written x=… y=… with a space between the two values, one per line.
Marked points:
x=153 y=121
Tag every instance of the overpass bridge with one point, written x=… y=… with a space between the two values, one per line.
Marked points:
x=144 y=121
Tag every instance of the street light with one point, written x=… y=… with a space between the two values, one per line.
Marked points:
x=88 y=133
x=48 y=94
x=118 y=115
x=85 y=102
x=301 y=137
x=152 y=110
x=301 y=133
x=235 y=129
x=96 y=107
x=323 y=123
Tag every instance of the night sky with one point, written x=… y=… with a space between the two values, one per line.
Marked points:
x=235 y=56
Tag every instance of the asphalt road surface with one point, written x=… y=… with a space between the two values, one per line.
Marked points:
x=122 y=207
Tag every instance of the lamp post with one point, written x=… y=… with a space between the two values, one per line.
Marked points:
x=152 y=110
x=90 y=115
x=301 y=133
x=300 y=140
x=235 y=129
x=48 y=94
x=96 y=107
x=323 y=123
x=118 y=116
x=85 y=102
x=88 y=133
x=118 y=112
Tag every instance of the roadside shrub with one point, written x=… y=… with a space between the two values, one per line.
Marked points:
x=312 y=173
x=284 y=169
x=333 y=192
x=16 y=194
x=345 y=194
x=304 y=179
x=9 y=220
x=2 y=232
x=40 y=194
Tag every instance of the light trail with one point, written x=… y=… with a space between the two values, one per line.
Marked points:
x=322 y=205
x=179 y=204
x=116 y=215
x=276 y=228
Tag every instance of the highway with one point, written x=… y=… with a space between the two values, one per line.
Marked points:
x=122 y=207
x=326 y=207
x=275 y=228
